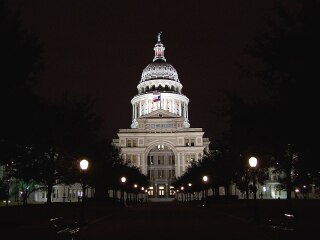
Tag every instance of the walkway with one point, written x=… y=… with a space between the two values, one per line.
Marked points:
x=171 y=220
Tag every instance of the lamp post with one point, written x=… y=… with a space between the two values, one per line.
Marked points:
x=84 y=164
x=182 y=193
x=123 y=181
x=135 y=186
x=146 y=194
x=253 y=164
x=205 y=192
x=8 y=193
x=142 y=194
x=189 y=192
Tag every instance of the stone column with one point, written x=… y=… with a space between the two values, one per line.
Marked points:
x=132 y=112
x=178 y=165
x=167 y=191
x=143 y=164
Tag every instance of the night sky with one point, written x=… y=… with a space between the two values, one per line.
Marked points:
x=98 y=49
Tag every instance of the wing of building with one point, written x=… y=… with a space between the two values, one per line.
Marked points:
x=160 y=141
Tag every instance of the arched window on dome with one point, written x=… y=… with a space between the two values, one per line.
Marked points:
x=159 y=88
x=172 y=88
x=142 y=90
x=147 y=88
x=166 y=88
x=177 y=89
x=153 y=88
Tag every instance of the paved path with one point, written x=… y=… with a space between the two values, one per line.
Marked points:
x=175 y=221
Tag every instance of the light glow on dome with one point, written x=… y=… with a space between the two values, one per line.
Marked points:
x=159 y=70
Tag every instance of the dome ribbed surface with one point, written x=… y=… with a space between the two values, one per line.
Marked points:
x=159 y=70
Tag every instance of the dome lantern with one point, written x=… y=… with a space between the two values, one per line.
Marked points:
x=159 y=50
x=159 y=68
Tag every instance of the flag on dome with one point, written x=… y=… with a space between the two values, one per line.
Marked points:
x=156 y=96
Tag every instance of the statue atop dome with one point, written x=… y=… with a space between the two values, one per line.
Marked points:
x=159 y=36
x=159 y=68
x=159 y=50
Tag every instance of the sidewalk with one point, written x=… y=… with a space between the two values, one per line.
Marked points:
x=33 y=220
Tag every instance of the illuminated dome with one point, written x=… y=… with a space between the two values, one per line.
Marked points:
x=159 y=90
x=159 y=69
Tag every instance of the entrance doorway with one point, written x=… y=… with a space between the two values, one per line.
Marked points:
x=161 y=191
x=161 y=169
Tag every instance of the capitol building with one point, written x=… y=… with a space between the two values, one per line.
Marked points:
x=161 y=142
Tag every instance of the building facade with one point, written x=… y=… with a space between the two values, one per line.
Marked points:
x=160 y=141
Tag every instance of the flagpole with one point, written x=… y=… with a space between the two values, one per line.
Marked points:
x=157 y=97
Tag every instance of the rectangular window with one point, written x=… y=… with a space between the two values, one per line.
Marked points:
x=171 y=174
x=134 y=143
x=187 y=158
x=171 y=160
x=160 y=160
x=161 y=174
x=189 y=142
x=132 y=159
x=150 y=160
x=131 y=142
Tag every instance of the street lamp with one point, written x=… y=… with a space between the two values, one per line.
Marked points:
x=8 y=193
x=141 y=195
x=146 y=194
x=189 y=193
x=182 y=193
x=253 y=164
x=123 y=181
x=135 y=192
x=84 y=164
x=205 y=180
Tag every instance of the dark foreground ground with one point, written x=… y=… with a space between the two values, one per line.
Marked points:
x=167 y=220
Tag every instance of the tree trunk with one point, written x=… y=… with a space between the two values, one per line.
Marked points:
x=49 y=193
x=227 y=190
x=288 y=176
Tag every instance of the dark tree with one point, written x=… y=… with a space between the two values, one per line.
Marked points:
x=288 y=52
x=105 y=156
x=283 y=127
x=20 y=64
x=67 y=131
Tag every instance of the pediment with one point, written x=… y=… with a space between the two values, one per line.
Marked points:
x=160 y=113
